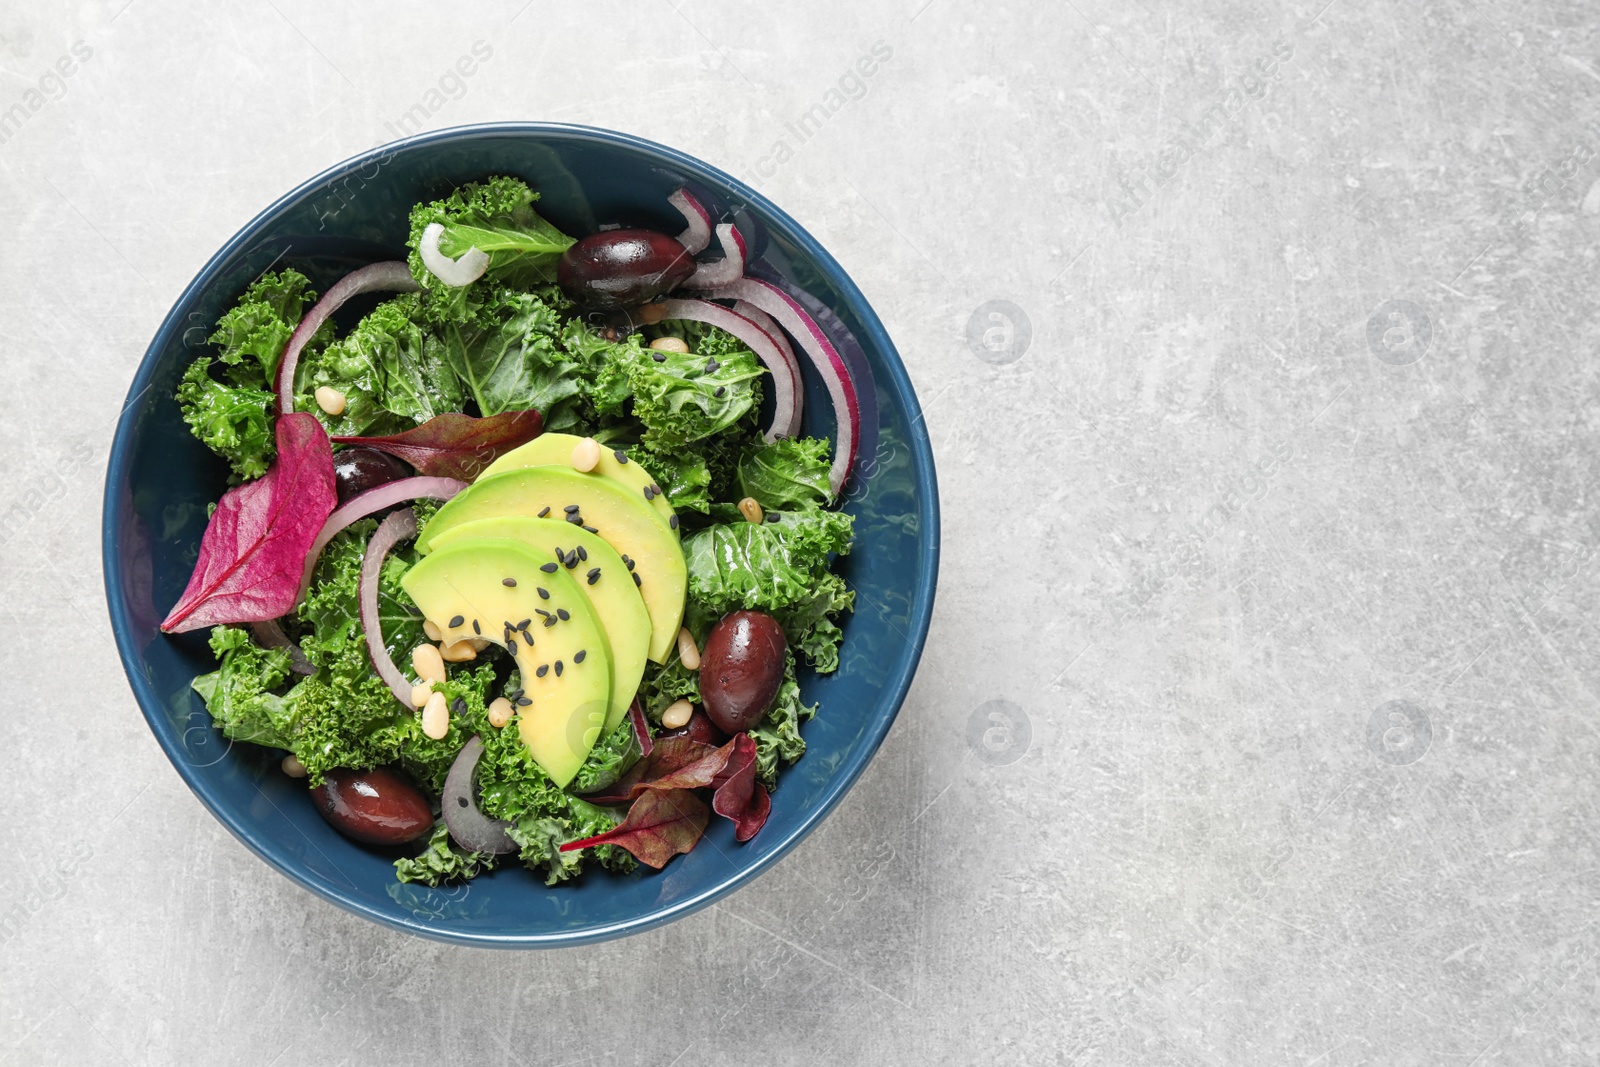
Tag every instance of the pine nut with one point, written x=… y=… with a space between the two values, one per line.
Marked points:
x=427 y=662
x=330 y=399
x=436 y=717
x=458 y=652
x=420 y=694
x=750 y=508
x=431 y=630
x=677 y=714
x=293 y=767
x=670 y=344
x=499 y=712
x=585 y=454
x=688 y=653
x=651 y=314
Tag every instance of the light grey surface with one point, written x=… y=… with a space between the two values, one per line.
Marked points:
x=1199 y=533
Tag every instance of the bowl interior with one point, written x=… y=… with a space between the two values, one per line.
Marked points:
x=161 y=480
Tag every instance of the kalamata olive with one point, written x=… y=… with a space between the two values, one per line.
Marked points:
x=620 y=268
x=357 y=469
x=699 y=728
x=376 y=807
x=741 y=668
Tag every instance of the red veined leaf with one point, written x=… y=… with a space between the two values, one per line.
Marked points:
x=661 y=824
x=641 y=728
x=455 y=445
x=255 y=545
x=674 y=763
x=739 y=797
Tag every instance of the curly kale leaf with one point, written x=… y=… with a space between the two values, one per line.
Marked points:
x=442 y=861
x=787 y=475
x=777 y=736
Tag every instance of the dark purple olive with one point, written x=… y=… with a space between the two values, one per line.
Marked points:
x=616 y=269
x=376 y=807
x=741 y=668
x=357 y=469
x=699 y=728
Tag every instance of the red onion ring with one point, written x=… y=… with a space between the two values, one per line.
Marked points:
x=397 y=527
x=835 y=375
x=375 y=499
x=698 y=235
x=784 y=375
x=770 y=327
x=470 y=827
x=390 y=275
x=724 y=271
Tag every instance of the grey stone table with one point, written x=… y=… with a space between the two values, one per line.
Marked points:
x=1258 y=346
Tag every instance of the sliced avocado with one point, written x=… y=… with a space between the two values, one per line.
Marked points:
x=555 y=450
x=601 y=577
x=488 y=588
x=603 y=507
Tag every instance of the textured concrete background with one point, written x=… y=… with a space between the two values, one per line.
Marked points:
x=1268 y=519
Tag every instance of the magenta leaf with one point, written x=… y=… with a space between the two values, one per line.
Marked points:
x=738 y=796
x=673 y=763
x=455 y=445
x=641 y=728
x=255 y=546
x=661 y=824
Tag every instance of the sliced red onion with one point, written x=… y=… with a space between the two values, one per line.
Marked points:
x=388 y=276
x=397 y=527
x=835 y=375
x=465 y=269
x=375 y=499
x=724 y=271
x=698 y=235
x=469 y=827
x=771 y=328
x=784 y=375
x=270 y=635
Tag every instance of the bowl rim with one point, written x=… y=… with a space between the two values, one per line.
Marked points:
x=896 y=685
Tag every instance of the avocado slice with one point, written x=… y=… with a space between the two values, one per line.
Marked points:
x=600 y=576
x=555 y=450
x=561 y=652
x=624 y=520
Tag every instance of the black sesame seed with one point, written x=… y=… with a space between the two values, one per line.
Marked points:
x=514 y=695
x=577 y=657
x=558 y=668
x=649 y=493
x=721 y=390
x=541 y=611
x=622 y=457
x=459 y=706
x=572 y=509
x=545 y=512
x=528 y=638
x=524 y=702
x=673 y=522
x=658 y=357
x=657 y=488
x=548 y=568
x=594 y=572
x=591 y=529
x=551 y=621
x=544 y=594
x=636 y=580
x=457 y=620
x=476 y=628
x=712 y=366
x=523 y=625
x=509 y=583
x=576 y=520
x=561 y=613
x=462 y=801
x=583 y=553
x=544 y=668
x=627 y=560
x=773 y=518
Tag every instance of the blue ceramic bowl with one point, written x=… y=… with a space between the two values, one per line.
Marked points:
x=161 y=479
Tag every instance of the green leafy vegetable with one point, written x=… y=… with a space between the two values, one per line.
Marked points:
x=252 y=334
x=681 y=402
x=777 y=737
x=238 y=694
x=497 y=218
x=508 y=357
x=442 y=862
x=809 y=624
x=769 y=565
x=608 y=760
x=232 y=421
x=787 y=475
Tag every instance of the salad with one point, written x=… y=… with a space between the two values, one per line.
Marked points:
x=513 y=568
